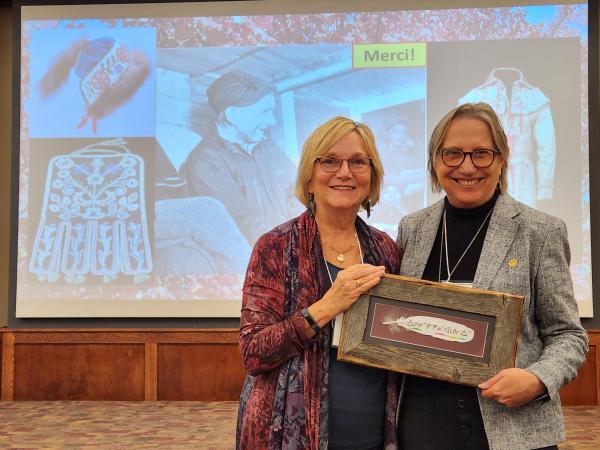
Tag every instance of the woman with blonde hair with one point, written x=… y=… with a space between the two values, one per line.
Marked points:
x=301 y=275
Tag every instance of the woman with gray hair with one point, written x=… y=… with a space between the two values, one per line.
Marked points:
x=480 y=236
x=301 y=275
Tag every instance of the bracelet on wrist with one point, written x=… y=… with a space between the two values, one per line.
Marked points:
x=314 y=325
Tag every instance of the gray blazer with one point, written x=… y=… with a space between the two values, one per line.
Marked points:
x=553 y=344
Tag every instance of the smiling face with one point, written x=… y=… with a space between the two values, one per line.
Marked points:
x=466 y=185
x=341 y=191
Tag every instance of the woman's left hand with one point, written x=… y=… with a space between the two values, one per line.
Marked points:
x=512 y=387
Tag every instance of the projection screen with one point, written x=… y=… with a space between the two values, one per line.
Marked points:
x=137 y=200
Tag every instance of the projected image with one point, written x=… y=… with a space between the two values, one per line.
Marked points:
x=237 y=163
x=197 y=236
x=154 y=151
x=400 y=132
x=93 y=224
x=92 y=83
x=540 y=110
x=247 y=112
x=525 y=113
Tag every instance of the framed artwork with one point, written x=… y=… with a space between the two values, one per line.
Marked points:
x=435 y=330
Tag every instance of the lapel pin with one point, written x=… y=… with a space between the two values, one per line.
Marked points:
x=512 y=263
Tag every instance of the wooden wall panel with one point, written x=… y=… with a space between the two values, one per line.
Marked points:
x=79 y=372
x=199 y=372
x=160 y=364
x=582 y=390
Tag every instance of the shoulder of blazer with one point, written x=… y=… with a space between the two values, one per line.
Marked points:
x=412 y=222
x=530 y=217
x=537 y=228
x=422 y=214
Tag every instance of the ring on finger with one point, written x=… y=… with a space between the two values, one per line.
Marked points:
x=359 y=283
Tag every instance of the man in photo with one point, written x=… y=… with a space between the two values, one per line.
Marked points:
x=237 y=163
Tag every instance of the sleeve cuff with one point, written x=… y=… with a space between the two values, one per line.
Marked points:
x=299 y=326
x=551 y=392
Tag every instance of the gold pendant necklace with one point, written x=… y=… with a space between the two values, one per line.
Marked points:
x=341 y=257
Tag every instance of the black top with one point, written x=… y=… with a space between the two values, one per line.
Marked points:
x=356 y=402
x=436 y=414
x=461 y=226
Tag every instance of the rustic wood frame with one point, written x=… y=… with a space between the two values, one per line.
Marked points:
x=505 y=308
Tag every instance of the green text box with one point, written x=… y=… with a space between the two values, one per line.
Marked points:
x=389 y=55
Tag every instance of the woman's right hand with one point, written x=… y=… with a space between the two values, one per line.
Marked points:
x=348 y=286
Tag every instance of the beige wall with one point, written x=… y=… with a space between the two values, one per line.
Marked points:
x=5 y=151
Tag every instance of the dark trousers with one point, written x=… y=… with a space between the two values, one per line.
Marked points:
x=436 y=415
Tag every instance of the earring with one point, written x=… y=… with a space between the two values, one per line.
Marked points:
x=368 y=207
x=311 y=204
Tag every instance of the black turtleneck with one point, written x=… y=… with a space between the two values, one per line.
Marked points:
x=461 y=225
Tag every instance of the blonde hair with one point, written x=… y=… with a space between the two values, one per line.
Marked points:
x=481 y=111
x=322 y=139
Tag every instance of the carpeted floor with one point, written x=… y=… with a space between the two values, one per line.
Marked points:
x=117 y=425
x=583 y=428
x=172 y=425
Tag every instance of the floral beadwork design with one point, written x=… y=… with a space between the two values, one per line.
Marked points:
x=95 y=189
x=106 y=73
x=94 y=218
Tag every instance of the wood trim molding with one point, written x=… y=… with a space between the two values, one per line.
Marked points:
x=595 y=341
x=8 y=366
x=151 y=372
x=125 y=336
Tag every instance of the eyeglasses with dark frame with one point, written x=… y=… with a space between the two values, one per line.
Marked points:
x=356 y=164
x=481 y=158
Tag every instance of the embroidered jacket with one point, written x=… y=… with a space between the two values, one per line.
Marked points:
x=527 y=120
x=284 y=402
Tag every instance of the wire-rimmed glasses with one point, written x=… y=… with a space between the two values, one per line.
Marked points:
x=356 y=164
